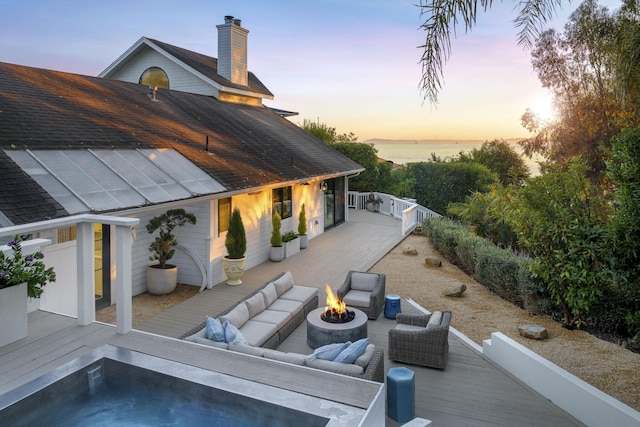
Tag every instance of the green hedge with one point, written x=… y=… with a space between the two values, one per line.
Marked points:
x=499 y=270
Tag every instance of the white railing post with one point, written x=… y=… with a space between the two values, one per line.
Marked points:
x=124 y=316
x=85 y=268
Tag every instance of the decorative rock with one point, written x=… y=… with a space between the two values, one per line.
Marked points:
x=534 y=332
x=432 y=261
x=456 y=291
x=409 y=250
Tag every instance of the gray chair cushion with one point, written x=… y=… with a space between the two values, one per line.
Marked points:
x=290 y=306
x=435 y=319
x=278 y=318
x=365 y=358
x=255 y=304
x=237 y=317
x=363 y=281
x=257 y=333
x=357 y=298
x=283 y=283
x=303 y=294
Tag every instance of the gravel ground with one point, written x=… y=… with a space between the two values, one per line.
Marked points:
x=479 y=312
x=476 y=314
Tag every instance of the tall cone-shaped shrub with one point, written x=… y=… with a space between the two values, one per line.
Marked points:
x=236 y=240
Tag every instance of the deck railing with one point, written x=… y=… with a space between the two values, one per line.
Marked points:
x=407 y=210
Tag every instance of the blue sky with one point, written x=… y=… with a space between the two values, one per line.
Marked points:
x=352 y=64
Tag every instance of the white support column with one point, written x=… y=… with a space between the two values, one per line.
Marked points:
x=86 y=272
x=124 y=314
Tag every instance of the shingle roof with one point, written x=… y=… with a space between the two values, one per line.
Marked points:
x=208 y=66
x=247 y=146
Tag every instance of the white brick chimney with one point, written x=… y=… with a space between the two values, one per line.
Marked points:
x=232 y=51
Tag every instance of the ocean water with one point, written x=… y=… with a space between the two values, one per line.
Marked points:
x=421 y=151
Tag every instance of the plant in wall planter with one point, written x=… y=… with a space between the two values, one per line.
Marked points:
x=21 y=276
x=162 y=278
x=276 y=251
x=291 y=243
x=236 y=244
x=302 y=227
x=373 y=203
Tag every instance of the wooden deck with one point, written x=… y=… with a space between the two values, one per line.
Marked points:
x=469 y=392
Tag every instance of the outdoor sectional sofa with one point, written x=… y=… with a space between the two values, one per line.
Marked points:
x=269 y=314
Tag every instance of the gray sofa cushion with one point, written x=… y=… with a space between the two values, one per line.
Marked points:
x=270 y=294
x=290 y=306
x=247 y=349
x=366 y=357
x=237 y=317
x=257 y=333
x=339 y=368
x=363 y=281
x=283 y=283
x=207 y=342
x=303 y=294
x=357 y=298
x=255 y=304
x=293 y=358
x=278 y=318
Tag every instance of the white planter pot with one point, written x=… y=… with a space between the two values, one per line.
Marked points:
x=234 y=269
x=304 y=240
x=276 y=253
x=13 y=314
x=292 y=247
x=162 y=281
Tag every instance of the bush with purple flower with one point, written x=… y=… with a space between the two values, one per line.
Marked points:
x=17 y=268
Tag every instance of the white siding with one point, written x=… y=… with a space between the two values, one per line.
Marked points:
x=179 y=78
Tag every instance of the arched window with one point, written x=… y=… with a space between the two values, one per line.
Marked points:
x=155 y=76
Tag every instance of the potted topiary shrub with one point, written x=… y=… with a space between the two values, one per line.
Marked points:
x=162 y=278
x=373 y=203
x=302 y=227
x=236 y=244
x=276 y=251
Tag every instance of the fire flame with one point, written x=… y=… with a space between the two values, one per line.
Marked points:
x=334 y=304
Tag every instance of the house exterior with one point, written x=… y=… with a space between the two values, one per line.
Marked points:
x=162 y=127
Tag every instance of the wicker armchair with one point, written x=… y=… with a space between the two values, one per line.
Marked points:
x=421 y=339
x=364 y=291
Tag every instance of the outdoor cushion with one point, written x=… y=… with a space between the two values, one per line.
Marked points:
x=408 y=327
x=270 y=294
x=246 y=349
x=214 y=330
x=363 y=281
x=237 y=317
x=255 y=304
x=357 y=298
x=351 y=353
x=290 y=306
x=338 y=368
x=329 y=351
x=203 y=340
x=364 y=359
x=293 y=358
x=284 y=283
x=435 y=319
x=278 y=318
x=232 y=334
x=304 y=294
x=257 y=333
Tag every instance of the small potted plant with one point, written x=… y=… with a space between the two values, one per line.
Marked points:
x=373 y=203
x=291 y=243
x=162 y=278
x=236 y=244
x=276 y=251
x=302 y=227
x=21 y=276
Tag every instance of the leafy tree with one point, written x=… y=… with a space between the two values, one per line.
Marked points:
x=442 y=18
x=501 y=158
x=439 y=183
x=561 y=221
x=376 y=173
x=326 y=133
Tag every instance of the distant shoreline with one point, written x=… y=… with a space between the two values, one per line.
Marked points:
x=377 y=141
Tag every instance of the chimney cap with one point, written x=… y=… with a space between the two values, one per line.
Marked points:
x=228 y=19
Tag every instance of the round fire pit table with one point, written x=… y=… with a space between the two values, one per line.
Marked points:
x=320 y=333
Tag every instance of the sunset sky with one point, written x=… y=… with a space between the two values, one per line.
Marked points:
x=351 y=64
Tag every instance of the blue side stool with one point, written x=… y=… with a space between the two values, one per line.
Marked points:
x=400 y=394
x=392 y=306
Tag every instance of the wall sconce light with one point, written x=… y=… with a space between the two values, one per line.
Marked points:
x=323 y=186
